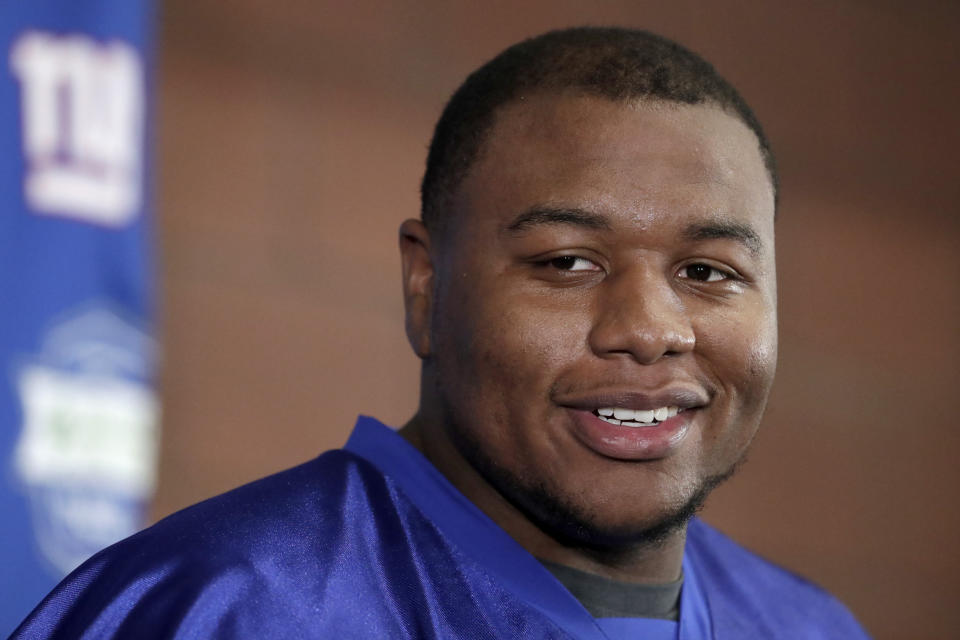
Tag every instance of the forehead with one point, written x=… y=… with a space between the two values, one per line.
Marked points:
x=634 y=158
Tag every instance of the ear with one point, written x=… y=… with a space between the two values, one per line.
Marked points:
x=418 y=273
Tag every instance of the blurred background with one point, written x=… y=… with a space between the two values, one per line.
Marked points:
x=289 y=144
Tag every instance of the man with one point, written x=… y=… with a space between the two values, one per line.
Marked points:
x=591 y=290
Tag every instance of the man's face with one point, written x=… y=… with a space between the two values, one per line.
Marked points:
x=605 y=256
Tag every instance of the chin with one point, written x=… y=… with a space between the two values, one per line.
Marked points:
x=584 y=526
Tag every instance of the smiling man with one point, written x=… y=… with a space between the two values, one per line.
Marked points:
x=592 y=292
x=597 y=323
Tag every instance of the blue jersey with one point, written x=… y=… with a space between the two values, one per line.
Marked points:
x=373 y=542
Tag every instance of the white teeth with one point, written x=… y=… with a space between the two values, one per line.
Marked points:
x=631 y=417
x=645 y=416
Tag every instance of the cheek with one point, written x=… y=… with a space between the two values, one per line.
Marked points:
x=501 y=357
x=741 y=358
x=740 y=349
x=494 y=368
x=482 y=341
x=760 y=348
x=509 y=324
x=762 y=362
x=516 y=345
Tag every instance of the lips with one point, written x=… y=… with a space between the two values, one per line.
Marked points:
x=620 y=442
x=650 y=426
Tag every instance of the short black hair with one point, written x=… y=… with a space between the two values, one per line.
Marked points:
x=614 y=63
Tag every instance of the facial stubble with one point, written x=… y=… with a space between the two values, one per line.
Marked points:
x=573 y=525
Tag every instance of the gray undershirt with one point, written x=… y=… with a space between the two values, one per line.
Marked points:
x=606 y=598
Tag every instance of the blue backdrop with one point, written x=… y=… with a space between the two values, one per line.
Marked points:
x=78 y=415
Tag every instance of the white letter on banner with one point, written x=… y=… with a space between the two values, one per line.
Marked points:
x=82 y=109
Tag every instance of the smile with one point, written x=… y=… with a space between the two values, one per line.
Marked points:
x=634 y=418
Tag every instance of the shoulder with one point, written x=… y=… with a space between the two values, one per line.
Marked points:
x=752 y=597
x=332 y=548
x=263 y=516
x=220 y=557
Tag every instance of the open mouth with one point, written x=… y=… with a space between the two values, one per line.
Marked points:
x=636 y=418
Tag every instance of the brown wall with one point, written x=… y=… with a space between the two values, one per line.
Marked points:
x=291 y=141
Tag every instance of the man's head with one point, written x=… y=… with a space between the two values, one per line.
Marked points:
x=595 y=249
x=617 y=64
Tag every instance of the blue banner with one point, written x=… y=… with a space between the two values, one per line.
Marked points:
x=78 y=412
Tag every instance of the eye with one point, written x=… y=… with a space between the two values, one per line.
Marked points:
x=572 y=263
x=704 y=273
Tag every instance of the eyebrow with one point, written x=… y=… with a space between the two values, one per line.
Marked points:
x=742 y=233
x=712 y=230
x=558 y=215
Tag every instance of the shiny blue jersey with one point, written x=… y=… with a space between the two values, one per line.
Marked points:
x=373 y=542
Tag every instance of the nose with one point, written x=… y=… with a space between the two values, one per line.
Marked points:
x=639 y=314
